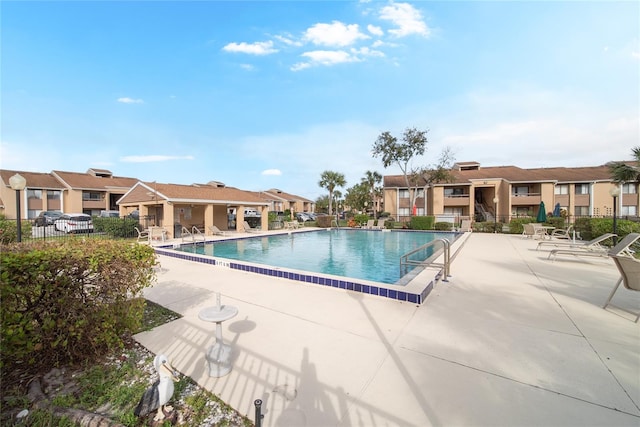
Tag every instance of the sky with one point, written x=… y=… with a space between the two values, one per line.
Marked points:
x=270 y=94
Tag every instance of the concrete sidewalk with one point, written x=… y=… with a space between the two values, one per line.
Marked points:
x=511 y=339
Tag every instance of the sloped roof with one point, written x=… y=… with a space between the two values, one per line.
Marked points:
x=34 y=179
x=179 y=193
x=516 y=174
x=87 y=181
x=279 y=194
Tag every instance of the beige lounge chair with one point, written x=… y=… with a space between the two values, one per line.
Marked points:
x=533 y=230
x=215 y=231
x=563 y=233
x=250 y=229
x=596 y=243
x=465 y=225
x=622 y=248
x=142 y=235
x=629 y=269
x=157 y=233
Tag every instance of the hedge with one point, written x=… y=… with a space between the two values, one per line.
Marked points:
x=422 y=222
x=63 y=302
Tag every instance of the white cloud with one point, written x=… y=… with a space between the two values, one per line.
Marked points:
x=334 y=34
x=257 y=48
x=247 y=67
x=126 y=100
x=365 y=51
x=153 y=158
x=288 y=40
x=376 y=31
x=406 y=17
x=273 y=172
x=325 y=57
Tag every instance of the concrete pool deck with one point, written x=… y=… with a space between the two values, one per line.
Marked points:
x=512 y=339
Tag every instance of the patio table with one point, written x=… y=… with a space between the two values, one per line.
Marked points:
x=219 y=354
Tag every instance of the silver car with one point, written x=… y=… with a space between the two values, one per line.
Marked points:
x=73 y=223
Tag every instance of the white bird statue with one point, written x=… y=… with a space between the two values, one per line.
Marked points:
x=160 y=392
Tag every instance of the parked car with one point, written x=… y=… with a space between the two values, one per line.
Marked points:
x=303 y=217
x=74 y=222
x=47 y=218
x=109 y=214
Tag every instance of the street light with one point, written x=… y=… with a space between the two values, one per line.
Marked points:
x=18 y=182
x=615 y=192
x=495 y=214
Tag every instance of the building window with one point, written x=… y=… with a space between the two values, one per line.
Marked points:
x=454 y=192
x=403 y=194
x=520 y=191
x=582 y=210
x=629 y=189
x=420 y=193
x=457 y=211
x=53 y=194
x=562 y=189
x=34 y=194
x=403 y=212
x=520 y=211
x=630 y=210
x=582 y=188
x=419 y=211
x=88 y=195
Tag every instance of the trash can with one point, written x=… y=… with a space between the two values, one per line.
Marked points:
x=177 y=230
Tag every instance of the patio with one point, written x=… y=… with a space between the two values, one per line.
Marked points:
x=511 y=339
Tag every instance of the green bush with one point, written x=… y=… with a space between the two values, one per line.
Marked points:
x=115 y=227
x=422 y=222
x=443 y=226
x=556 y=221
x=9 y=230
x=361 y=219
x=66 y=301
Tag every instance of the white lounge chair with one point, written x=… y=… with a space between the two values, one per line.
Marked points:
x=571 y=244
x=142 y=235
x=215 y=231
x=622 y=248
x=465 y=225
x=629 y=269
x=250 y=229
x=533 y=230
x=563 y=233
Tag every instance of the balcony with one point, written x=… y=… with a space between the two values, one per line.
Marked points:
x=526 y=199
x=456 y=200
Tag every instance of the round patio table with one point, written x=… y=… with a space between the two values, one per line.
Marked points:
x=219 y=354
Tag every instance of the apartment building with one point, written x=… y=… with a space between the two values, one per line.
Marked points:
x=505 y=192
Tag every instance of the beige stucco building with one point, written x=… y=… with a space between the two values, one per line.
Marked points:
x=481 y=193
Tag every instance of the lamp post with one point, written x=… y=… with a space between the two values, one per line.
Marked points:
x=495 y=214
x=615 y=192
x=18 y=182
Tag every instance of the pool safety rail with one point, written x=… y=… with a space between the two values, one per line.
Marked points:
x=405 y=262
x=195 y=231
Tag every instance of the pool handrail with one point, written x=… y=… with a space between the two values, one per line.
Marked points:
x=404 y=259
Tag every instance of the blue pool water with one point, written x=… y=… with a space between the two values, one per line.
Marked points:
x=358 y=254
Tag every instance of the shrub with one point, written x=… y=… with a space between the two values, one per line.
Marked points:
x=361 y=218
x=9 y=230
x=443 y=226
x=422 y=222
x=556 y=221
x=63 y=302
x=516 y=226
x=115 y=227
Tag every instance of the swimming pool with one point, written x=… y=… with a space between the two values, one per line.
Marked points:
x=357 y=254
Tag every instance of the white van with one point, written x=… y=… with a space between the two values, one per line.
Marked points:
x=251 y=212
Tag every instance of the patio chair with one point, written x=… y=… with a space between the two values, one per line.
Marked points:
x=572 y=244
x=142 y=235
x=563 y=233
x=250 y=229
x=465 y=225
x=215 y=231
x=531 y=230
x=622 y=248
x=157 y=233
x=629 y=269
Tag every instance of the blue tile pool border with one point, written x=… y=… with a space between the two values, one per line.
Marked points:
x=346 y=284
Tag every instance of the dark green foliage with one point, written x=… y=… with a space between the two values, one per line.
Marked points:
x=443 y=226
x=115 y=227
x=556 y=221
x=63 y=302
x=361 y=218
x=516 y=226
x=9 y=230
x=422 y=222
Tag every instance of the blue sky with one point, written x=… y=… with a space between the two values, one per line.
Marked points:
x=270 y=94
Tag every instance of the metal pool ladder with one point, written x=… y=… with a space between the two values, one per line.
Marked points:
x=405 y=261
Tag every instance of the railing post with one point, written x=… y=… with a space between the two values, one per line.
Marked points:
x=259 y=416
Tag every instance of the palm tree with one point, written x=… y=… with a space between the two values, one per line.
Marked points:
x=371 y=179
x=329 y=180
x=623 y=171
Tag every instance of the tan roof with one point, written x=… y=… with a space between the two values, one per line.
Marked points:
x=146 y=191
x=90 y=182
x=35 y=180
x=516 y=174
x=281 y=195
